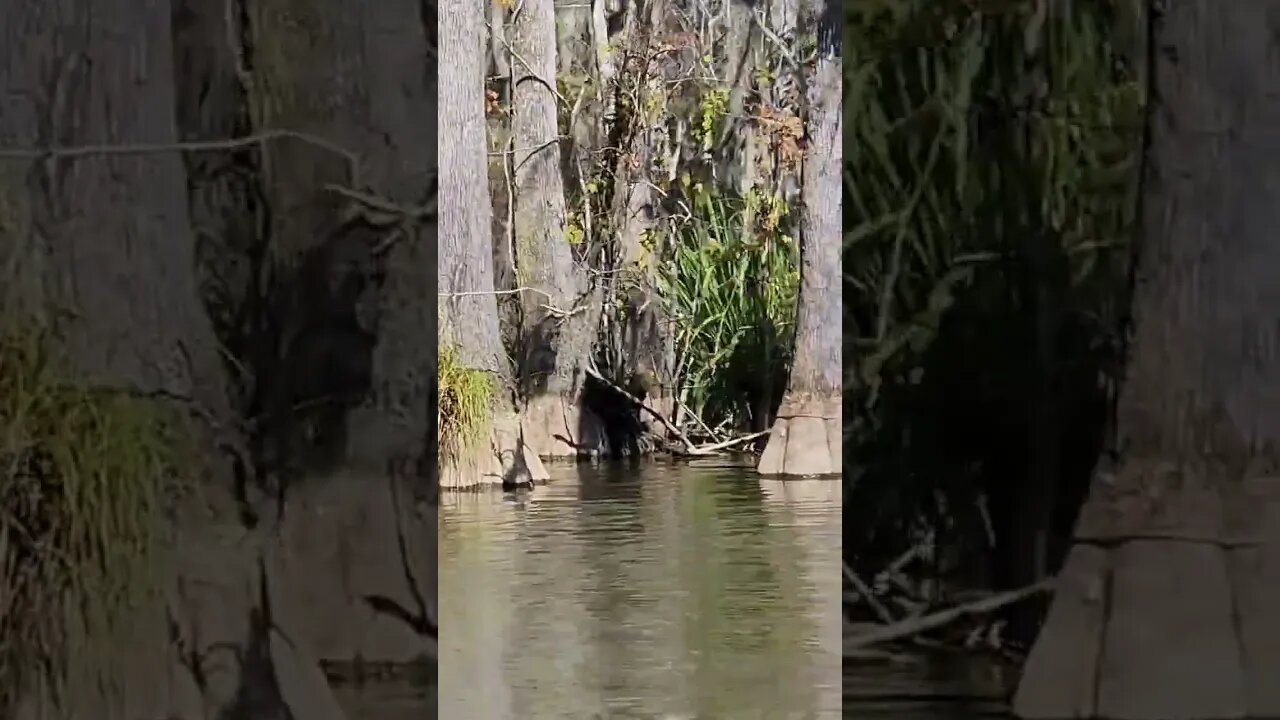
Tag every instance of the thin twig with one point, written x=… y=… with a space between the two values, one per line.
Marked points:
x=188 y=146
x=403 y=212
x=558 y=313
x=777 y=41
x=535 y=151
x=512 y=291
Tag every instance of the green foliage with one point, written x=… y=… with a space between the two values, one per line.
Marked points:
x=731 y=288
x=83 y=474
x=978 y=137
x=573 y=232
x=711 y=110
x=465 y=398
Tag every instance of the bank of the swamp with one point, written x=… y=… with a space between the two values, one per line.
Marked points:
x=727 y=291
x=129 y=587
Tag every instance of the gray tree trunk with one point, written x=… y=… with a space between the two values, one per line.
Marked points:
x=1167 y=604
x=103 y=240
x=468 y=307
x=648 y=357
x=353 y=291
x=806 y=435
x=574 y=52
x=558 y=334
x=737 y=164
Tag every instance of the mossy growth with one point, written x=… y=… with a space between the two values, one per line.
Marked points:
x=82 y=478
x=464 y=406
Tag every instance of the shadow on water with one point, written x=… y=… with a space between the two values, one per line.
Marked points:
x=928 y=687
x=388 y=700
x=643 y=590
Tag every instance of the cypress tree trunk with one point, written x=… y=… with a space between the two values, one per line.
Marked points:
x=468 y=307
x=559 y=321
x=352 y=280
x=806 y=435
x=1167 y=604
x=102 y=241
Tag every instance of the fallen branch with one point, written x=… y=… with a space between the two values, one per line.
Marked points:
x=881 y=611
x=916 y=625
x=690 y=450
x=714 y=447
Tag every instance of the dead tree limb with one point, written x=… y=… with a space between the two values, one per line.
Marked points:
x=914 y=626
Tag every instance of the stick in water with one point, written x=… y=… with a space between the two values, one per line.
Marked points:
x=916 y=625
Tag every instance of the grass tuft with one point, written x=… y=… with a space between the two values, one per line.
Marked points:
x=82 y=476
x=465 y=402
x=731 y=289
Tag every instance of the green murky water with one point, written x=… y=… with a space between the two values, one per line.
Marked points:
x=658 y=591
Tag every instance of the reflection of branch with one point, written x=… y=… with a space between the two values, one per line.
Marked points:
x=386 y=606
x=422 y=623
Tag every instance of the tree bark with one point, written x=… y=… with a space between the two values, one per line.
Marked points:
x=647 y=360
x=353 y=292
x=468 y=307
x=102 y=242
x=806 y=435
x=1199 y=415
x=558 y=323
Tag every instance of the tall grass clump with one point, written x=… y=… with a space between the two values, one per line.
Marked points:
x=730 y=288
x=992 y=158
x=465 y=398
x=82 y=476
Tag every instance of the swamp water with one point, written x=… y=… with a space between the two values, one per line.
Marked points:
x=655 y=590
x=387 y=700
x=916 y=687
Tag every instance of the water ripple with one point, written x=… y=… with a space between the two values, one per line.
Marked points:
x=652 y=591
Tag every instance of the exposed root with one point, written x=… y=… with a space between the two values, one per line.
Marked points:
x=504 y=459
x=806 y=438
x=558 y=427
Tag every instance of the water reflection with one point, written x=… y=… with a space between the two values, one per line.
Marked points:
x=386 y=700
x=928 y=687
x=641 y=591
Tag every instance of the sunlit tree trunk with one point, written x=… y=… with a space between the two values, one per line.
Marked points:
x=806 y=435
x=558 y=321
x=1166 y=606
x=468 y=306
